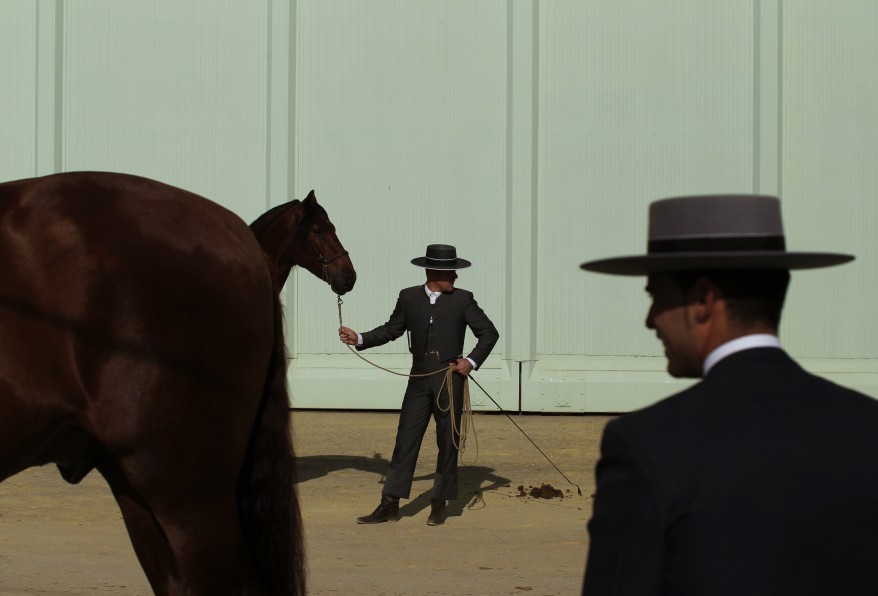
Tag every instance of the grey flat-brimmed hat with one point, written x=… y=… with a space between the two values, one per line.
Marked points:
x=715 y=232
x=442 y=257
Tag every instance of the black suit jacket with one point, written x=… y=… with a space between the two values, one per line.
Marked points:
x=761 y=479
x=451 y=315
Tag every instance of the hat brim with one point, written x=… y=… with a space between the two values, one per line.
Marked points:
x=451 y=265
x=694 y=261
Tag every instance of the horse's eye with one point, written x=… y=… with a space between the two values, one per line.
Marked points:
x=317 y=231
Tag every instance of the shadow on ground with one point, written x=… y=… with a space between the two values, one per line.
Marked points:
x=474 y=480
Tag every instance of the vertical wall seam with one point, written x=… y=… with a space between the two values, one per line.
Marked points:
x=269 y=74
x=757 y=96
x=292 y=82
x=60 y=40
x=292 y=285
x=779 y=106
x=520 y=392
x=535 y=176
x=510 y=191
x=37 y=72
x=767 y=97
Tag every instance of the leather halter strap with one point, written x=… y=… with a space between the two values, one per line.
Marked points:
x=325 y=262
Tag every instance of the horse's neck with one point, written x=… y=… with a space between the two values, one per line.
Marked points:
x=283 y=272
x=277 y=232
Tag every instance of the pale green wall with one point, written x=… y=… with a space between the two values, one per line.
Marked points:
x=531 y=134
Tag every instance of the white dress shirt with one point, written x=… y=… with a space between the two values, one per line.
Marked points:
x=757 y=340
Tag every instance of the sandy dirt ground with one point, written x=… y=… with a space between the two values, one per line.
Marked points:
x=70 y=540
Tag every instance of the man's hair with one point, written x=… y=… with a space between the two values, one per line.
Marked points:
x=431 y=273
x=752 y=295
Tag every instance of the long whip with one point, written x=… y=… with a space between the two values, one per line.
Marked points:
x=578 y=490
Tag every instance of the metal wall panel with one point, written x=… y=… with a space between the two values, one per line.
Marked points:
x=830 y=179
x=637 y=102
x=182 y=94
x=401 y=130
x=694 y=98
x=18 y=71
x=530 y=134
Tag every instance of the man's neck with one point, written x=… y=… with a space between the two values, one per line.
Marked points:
x=739 y=344
x=723 y=333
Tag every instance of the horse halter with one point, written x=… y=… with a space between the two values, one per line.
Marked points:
x=324 y=262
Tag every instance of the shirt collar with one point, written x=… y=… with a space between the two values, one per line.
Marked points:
x=433 y=296
x=757 y=340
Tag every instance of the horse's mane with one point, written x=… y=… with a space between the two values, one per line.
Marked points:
x=267 y=219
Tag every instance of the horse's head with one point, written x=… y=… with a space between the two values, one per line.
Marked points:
x=300 y=233
x=321 y=252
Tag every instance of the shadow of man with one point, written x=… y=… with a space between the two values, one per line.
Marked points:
x=317 y=466
x=473 y=481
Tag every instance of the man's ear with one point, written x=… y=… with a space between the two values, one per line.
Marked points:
x=704 y=298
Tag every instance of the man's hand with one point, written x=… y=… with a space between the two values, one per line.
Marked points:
x=462 y=366
x=347 y=336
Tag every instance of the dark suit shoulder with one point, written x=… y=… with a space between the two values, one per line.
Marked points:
x=459 y=294
x=760 y=381
x=752 y=401
x=412 y=291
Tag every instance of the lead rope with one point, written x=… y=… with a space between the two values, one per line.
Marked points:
x=458 y=438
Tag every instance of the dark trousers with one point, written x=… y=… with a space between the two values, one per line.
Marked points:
x=418 y=406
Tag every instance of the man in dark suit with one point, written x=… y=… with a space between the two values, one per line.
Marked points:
x=761 y=478
x=435 y=316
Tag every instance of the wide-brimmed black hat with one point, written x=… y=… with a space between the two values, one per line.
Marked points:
x=442 y=257
x=715 y=232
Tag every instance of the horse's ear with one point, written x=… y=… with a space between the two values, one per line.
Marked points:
x=311 y=198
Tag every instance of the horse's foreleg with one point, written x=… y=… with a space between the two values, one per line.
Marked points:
x=147 y=536
x=186 y=547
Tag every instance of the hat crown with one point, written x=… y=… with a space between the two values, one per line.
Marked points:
x=441 y=252
x=715 y=216
x=441 y=257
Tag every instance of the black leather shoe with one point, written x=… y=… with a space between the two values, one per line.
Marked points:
x=387 y=510
x=437 y=513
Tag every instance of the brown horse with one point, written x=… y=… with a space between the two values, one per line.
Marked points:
x=300 y=233
x=142 y=336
